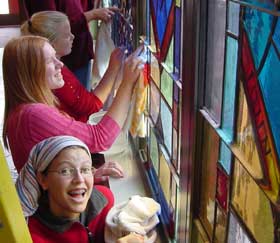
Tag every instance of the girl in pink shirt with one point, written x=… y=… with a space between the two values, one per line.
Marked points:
x=30 y=71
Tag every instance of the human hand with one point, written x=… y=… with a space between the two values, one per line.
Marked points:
x=111 y=168
x=133 y=66
x=116 y=59
x=131 y=238
x=105 y=14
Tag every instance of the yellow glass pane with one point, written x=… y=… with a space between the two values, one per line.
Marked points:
x=167 y=87
x=245 y=139
x=220 y=230
x=154 y=102
x=155 y=72
x=169 y=60
x=252 y=205
x=210 y=152
x=178 y=3
x=164 y=177
x=152 y=36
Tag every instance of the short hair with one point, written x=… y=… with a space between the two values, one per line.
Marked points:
x=24 y=75
x=44 y=24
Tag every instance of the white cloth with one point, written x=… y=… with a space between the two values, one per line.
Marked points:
x=138 y=214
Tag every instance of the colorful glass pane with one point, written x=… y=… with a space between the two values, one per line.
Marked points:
x=268 y=154
x=178 y=3
x=175 y=149
x=215 y=58
x=236 y=232
x=222 y=189
x=245 y=139
x=154 y=102
x=276 y=36
x=167 y=87
x=270 y=86
x=122 y=25
x=269 y=4
x=258 y=27
x=225 y=157
x=166 y=118
x=229 y=88
x=164 y=177
x=208 y=178
x=233 y=18
x=252 y=205
x=154 y=151
x=152 y=46
x=220 y=226
x=177 y=43
x=162 y=12
x=155 y=71
x=175 y=115
x=168 y=63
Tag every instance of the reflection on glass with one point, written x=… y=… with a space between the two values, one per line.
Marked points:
x=236 y=232
x=155 y=102
x=220 y=227
x=210 y=152
x=229 y=88
x=164 y=177
x=233 y=18
x=245 y=138
x=166 y=118
x=175 y=149
x=155 y=72
x=154 y=150
x=252 y=205
x=168 y=63
x=215 y=58
x=167 y=87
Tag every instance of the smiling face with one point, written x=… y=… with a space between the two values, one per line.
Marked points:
x=64 y=40
x=68 y=195
x=53 y=67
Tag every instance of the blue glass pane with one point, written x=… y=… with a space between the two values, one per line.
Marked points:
x=270 y=86
x=229 y=87
x=258 y=26
x=276 y=36
x=166 y=118
x=225 y=157
x=177 y=41
x=233 y=18
x=261 y=3
x=162 y=9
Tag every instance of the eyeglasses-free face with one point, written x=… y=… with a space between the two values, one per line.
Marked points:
x=69 y=181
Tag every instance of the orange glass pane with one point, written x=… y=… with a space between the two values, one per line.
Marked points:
x=245 y=138
x=210 y=153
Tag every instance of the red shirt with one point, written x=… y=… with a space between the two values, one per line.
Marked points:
x=82 y=50
x=74 y=99
x=77 y=233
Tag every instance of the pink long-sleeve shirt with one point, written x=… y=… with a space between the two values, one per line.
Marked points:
x=29 y=124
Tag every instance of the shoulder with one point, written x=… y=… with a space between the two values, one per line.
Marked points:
x=106 y=192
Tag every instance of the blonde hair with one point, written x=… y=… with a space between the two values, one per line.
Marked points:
x=44 y=24
x=24 y=74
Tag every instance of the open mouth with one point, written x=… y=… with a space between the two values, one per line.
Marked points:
x=78 y=194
